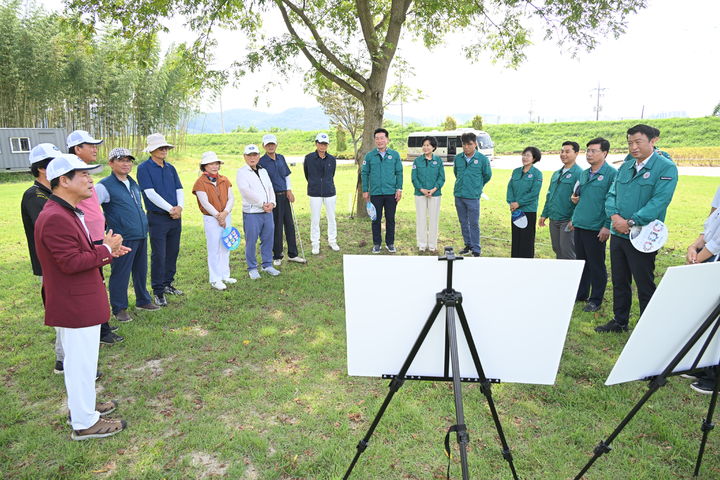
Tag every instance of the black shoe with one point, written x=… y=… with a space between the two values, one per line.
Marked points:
x=58 y=367
x=465 y=251
x=160 y=301
x=98 y=375
x=611 y=326
x=591 y=307
x=170 y=290
x=111 y=339
x=114 y=328
x=703 y=386
x=475 y=254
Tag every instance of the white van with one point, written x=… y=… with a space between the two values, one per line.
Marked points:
x=449 y=143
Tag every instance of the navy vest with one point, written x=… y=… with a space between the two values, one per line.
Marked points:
x=124 y=213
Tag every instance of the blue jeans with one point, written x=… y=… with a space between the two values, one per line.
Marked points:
x=165 y=243
x=468 y=211
x=262 y=226
x=135 y=263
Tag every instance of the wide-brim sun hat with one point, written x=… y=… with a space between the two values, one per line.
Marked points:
x=209 y=157
x=155 y=141
x=67 y=162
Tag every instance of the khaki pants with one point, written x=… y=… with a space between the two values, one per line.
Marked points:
x=427 y=214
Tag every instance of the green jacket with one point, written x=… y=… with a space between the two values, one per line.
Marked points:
x=645 y=196
x=470 y=178
x=524 y=188
x=428 y=174
x=657 y=150
x=557 y=201
x=382 y=176
x=590 y=213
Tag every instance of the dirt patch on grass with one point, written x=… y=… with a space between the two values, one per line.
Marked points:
x=155 y=366
x=209 y=465
x=194 y=331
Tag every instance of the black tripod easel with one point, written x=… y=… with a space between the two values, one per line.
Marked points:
x=712 y=323
x=452 y=300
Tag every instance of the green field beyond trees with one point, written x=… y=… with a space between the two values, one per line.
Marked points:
x=689 y=140
x=251 y=383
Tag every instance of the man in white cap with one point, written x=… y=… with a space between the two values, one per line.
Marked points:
x=164 y=201
x=258 y=202
x=75 y=298
x=121 y=200
x=279 y=173
x=32 y=203
x=82 y=144
x=319 y=167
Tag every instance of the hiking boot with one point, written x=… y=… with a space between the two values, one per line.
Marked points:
x=170 y=290
x=102 y=408
x=160 y=300
x=150 y=307
x=102 y=428
x=123 y=316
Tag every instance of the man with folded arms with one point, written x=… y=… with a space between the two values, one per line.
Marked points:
x=121 y=201
x=75 y=298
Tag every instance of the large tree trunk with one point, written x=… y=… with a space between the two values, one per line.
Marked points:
x=373 y=118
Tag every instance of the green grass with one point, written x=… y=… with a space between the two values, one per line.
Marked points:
x=251 y=383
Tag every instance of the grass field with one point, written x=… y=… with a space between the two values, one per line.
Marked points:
x=251 y=383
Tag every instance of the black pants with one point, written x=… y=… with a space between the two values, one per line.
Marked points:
x=389 y=204
x=282 y=218
x=165 y=244
x=104 y=327
x=628 y=264
x=523 y=239
x=590 y=249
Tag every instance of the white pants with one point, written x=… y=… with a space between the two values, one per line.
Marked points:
x=316 y=204
x=427 y=220
x=81 y=346
x=218 y=255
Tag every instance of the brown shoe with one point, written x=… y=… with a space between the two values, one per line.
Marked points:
x=102 y=408
x=102 y=428
x=123 y=316
x=150 y=307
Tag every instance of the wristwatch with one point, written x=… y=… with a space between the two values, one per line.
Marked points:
x=631 y=223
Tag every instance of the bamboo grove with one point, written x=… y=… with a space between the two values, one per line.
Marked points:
x=59 y=72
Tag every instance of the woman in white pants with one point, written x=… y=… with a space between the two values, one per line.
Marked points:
x=215 y=199
x=319 y=167
x=428 y=177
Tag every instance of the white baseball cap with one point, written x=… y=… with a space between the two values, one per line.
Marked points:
x=155 y=141
x=269 y=138
x=210 y=157
x=78 y=137
x=43 y=151
x=251 y=149
x=67 y=162
x=322 y=138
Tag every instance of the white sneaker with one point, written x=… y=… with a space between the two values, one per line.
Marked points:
x=316 y=249
x=229 y=280
x=277 y=262
x=271 y=270
x=218 y=285
x=254 y=274
x=335 y=247
x=297 y=259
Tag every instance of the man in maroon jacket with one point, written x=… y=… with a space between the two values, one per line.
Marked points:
x=75 y=298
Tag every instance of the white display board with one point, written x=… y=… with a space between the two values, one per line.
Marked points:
x=683 y=300
x=518 y=311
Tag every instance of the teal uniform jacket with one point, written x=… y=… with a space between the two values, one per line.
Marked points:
x=524 y=188
x=428 y=174
x=590 y=213
x=657 y=150
x=645 y=196
x=557 y=201
x=382 y=176
x=470 y=178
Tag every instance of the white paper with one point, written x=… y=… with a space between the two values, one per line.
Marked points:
x=518 y=311
x=682 y=302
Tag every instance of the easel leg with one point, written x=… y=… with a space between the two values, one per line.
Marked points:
x=485 y=387
x=707 y=425
x=462 y=435
x=395 y=385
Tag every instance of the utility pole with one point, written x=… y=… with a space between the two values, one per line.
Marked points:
x=530 y=111
x=222 y=122
x=598 y=93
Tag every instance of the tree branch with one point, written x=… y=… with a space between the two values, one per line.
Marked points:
x=398 y=14
x=321 y=46
x=314 y=61
x=366 y=25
